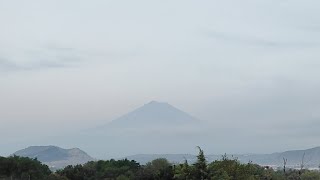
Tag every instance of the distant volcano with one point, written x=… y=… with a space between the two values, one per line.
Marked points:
x=154 y=113
x=156 y=123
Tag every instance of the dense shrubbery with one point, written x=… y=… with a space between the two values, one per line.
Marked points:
x=110 y=169
x=158 y=169
x=15 y=167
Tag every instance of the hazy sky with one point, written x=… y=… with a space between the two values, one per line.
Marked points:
x=250 y=65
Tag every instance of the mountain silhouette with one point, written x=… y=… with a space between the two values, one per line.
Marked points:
x=154 y=122
x=157 y=114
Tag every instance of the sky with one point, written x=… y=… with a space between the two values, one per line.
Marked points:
x=249 y=66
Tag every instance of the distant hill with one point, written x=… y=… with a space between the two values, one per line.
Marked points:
x=294 y=157
x=55 y=157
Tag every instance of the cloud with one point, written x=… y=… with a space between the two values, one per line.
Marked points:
x=43 y=58
x=6 y=65
x=55 y=47
x=9 y=66
x=255 y=41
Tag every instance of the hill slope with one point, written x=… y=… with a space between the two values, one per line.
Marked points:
x=55 y=157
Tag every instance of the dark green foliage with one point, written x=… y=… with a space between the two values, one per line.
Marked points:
x=157 y=169
x=15 y=167
x=234 y=170
x=55 y=176
x=111 y=169
x=310 y=175
x=182 y=171
x=76 y=172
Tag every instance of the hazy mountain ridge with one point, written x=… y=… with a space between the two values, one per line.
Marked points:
x=55 y=157
x=170 y=131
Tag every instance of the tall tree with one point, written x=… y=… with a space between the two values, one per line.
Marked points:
x=201 y=172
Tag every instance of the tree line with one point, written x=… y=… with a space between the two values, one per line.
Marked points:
x=22 y=168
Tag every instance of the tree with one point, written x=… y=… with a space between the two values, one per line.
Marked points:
x=200 y=171
x=158 y=169
x=56 y=177
x=182 y=171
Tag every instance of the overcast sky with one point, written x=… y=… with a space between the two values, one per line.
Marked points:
x=250 y=64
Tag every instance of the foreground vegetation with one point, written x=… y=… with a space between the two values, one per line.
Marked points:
x=21 y=168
